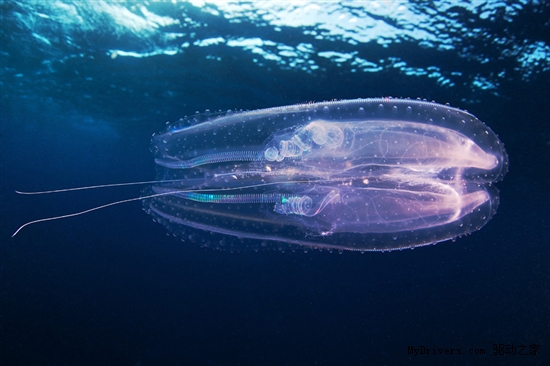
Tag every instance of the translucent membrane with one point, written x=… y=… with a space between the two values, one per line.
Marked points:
x=365 y=174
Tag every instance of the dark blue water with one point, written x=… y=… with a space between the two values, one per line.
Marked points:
x=85 y=84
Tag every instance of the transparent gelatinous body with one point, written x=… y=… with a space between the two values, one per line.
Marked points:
x=365 y=174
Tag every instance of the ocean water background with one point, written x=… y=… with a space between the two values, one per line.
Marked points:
x=85 y=84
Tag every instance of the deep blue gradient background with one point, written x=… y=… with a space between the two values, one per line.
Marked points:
x=85 y=84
